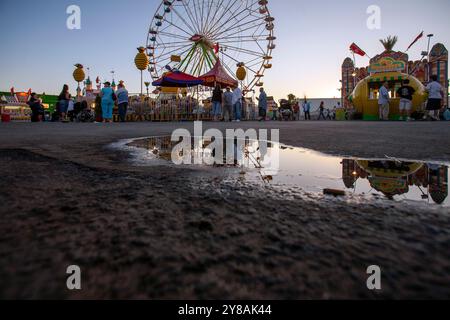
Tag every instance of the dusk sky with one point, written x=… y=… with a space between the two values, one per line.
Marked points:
x=38 y=51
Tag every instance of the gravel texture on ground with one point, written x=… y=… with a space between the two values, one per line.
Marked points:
x=171 y=233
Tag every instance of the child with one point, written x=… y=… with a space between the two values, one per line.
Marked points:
x=70 y=109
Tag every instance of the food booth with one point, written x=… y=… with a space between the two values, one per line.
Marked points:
x=366 y=93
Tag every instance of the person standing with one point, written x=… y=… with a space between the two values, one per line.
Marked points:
x=63 y=102
x=217 y=103
x=237 y=104
x=262 y=105
x=307 y=110
x=383 y=102
x=435 y=95
x=98 y=109
x=296 y=109
x=322 y=111
x=122 y=101
x=107 y=95
x=405 y=92
x=228 y=105
x=71 y=109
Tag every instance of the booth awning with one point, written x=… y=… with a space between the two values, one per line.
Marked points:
x=177 y=79
x=218 y=76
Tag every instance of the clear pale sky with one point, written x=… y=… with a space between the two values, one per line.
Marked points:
x=38 y=51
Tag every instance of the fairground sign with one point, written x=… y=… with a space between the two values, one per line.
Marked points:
x=387 y=64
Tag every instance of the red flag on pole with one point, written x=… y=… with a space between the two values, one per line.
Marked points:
x=355 y=49
x=414 y=42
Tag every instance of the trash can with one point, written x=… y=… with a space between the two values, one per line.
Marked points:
x=340 y=114
x=6 y=117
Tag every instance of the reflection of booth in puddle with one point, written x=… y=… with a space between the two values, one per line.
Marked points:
x=394 y=178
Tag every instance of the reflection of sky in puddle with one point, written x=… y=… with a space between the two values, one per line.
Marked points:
x=313 y=172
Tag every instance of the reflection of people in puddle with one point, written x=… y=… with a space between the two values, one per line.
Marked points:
x=394 y=177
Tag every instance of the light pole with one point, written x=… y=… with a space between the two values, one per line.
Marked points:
x=428 y=51
x=147 y=84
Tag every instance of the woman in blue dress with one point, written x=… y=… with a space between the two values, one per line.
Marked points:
x=107 y=94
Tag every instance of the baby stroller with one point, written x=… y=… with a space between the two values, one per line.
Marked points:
x=84 y=114
x=286 y=111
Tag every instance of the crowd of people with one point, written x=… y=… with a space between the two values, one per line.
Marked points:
x=70 y=109
x=406 y=92
x=295 y=111
x=229 y=105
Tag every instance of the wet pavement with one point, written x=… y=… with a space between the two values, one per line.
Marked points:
x=167 y=232
x=309 y=170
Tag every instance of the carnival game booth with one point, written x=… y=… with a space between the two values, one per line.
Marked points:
x=14 y=107
x=216 y=76
x=174 y=103
x=366 y=93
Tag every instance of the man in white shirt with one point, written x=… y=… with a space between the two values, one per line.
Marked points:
x=383 y=101
x=435 y=94
x=237 y=104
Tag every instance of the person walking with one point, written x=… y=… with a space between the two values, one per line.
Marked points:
x=217 y=103
x=383 y=102
x=322 y=111
x=237 y=104
x=262 y=105
x=307 y=110
x=228 y=105
x=107 y=94
x=122 y=101
x=405 y=92
x=63 y=102
x=435 y=95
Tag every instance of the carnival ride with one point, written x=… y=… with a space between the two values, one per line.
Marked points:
x=195 y=36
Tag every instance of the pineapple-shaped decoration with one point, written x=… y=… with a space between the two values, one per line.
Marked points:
x=241 y=73
x=79 y=74
x=141 y=61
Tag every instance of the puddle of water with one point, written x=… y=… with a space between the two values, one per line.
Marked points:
x=312 y=171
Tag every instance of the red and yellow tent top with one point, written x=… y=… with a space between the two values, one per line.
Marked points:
x=218 y=76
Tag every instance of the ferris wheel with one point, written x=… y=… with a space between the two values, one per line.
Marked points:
x=191 y=35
